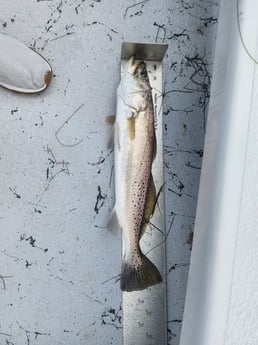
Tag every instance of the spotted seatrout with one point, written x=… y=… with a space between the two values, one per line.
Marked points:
x=134 y=147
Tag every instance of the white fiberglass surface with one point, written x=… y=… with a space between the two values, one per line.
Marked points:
x=222 y=275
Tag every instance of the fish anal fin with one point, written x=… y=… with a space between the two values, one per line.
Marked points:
x=113 y=223
x=139 y=277
x=149 y=205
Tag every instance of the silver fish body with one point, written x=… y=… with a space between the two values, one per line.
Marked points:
x=134 y=147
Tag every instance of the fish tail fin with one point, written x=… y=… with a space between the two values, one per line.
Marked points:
x=140 y=276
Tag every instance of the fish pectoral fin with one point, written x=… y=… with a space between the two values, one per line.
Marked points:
x=113 y=223
x=149 y=205
x=131 y=127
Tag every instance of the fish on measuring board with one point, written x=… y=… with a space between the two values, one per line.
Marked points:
x=135 y=194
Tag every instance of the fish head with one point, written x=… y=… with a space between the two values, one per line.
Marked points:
x=138 y=71
x=135 y=88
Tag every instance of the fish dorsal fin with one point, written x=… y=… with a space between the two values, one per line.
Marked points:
x=149 y=205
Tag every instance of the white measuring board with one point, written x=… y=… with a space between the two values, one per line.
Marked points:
x=144 y=312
